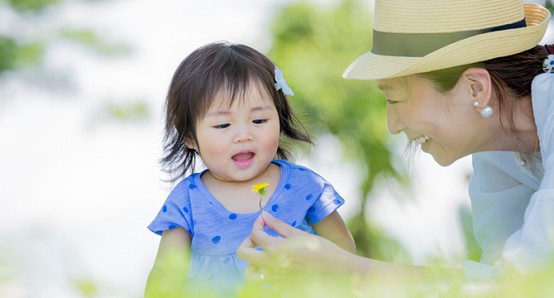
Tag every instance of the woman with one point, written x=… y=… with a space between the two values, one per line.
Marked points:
x=460 y=78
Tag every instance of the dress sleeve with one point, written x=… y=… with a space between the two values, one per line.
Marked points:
x=175 y=212
x=328 y=201
x=533 y=244
x=498 y=201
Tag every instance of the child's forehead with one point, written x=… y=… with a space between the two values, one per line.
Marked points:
x=251 y=93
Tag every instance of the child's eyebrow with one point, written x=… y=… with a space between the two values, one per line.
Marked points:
x=224 y=112
x=261 y=108
x=217 y=113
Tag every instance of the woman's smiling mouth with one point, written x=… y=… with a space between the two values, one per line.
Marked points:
x=421 y=140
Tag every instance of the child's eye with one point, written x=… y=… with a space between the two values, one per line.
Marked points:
x=259 y=121
x=224 y=125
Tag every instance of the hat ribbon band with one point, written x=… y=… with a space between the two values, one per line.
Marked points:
x=421 y=44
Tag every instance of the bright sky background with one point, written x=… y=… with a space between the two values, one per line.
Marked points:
x=77 y=191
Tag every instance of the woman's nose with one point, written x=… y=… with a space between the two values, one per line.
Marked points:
x=394 y=122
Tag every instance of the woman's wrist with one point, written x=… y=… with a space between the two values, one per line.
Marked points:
x=343 y=261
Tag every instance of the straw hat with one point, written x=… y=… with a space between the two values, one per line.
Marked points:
x=416 y=36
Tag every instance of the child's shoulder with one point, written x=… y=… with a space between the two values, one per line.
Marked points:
x=298 y=171
x=190 y=182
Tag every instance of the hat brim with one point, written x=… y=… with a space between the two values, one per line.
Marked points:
x=473 y=49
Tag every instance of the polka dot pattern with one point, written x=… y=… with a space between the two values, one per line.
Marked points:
x=208 y=221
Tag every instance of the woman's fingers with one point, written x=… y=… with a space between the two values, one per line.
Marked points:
x=279 y=226
x=253 y=274
x=276 y=253
x=250 y=252
x=251 y=248
x=260 y=237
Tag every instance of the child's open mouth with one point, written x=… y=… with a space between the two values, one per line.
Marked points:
x=243 y=159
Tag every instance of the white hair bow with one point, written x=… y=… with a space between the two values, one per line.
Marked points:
x=281 y=83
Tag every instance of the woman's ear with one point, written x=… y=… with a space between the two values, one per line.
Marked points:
x=479 y=84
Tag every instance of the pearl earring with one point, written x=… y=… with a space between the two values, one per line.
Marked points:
x=486 y=112
x=475 y=103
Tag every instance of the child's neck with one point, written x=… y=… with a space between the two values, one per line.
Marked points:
x=237 y=196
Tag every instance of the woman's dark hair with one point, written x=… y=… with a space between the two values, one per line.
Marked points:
x=511 y=76
x=217 y=68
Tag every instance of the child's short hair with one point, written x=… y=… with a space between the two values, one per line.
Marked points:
x=213 y=69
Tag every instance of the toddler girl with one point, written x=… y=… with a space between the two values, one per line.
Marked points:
x=227 y=106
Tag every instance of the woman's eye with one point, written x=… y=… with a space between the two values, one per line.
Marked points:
x=391 y=102
x=224 y=125
x=259 y=121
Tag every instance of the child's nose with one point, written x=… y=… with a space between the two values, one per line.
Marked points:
x=243 y=135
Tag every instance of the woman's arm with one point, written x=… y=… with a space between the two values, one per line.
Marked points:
x=298 y=250
x=334 y=229
x=531 y=247
x=168 y=275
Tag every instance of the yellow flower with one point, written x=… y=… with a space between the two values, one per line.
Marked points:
x=260 y=188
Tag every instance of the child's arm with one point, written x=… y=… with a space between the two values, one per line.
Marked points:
x=168 y=275
x=334 y=229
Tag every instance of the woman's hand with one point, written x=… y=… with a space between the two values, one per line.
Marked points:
x=298 y=253
x=296 y=250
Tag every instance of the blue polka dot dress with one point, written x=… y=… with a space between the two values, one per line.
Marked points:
x=302 y=198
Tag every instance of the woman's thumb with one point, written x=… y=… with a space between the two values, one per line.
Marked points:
x=278 y=226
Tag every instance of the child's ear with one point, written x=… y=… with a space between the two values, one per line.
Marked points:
x=191 y=144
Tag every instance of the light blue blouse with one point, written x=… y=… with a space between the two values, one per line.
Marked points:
x=512 y=197
x=302 y=198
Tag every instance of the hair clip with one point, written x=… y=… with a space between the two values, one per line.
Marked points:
x=548 y=64
x=281 y=83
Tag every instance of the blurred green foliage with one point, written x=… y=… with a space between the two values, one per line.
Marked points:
x=472 y=248
x=31 y=6
x=23 y=41
x=14 y=55
x=313 y=45
x=127 y=112
x=27 y=34
x=549 y=6
x=93 y=41
x=433 y=282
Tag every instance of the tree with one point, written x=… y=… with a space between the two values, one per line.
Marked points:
x=32 y=30
x=26 y=42
x=314 y=45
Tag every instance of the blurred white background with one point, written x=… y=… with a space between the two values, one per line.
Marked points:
x=77 y=189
